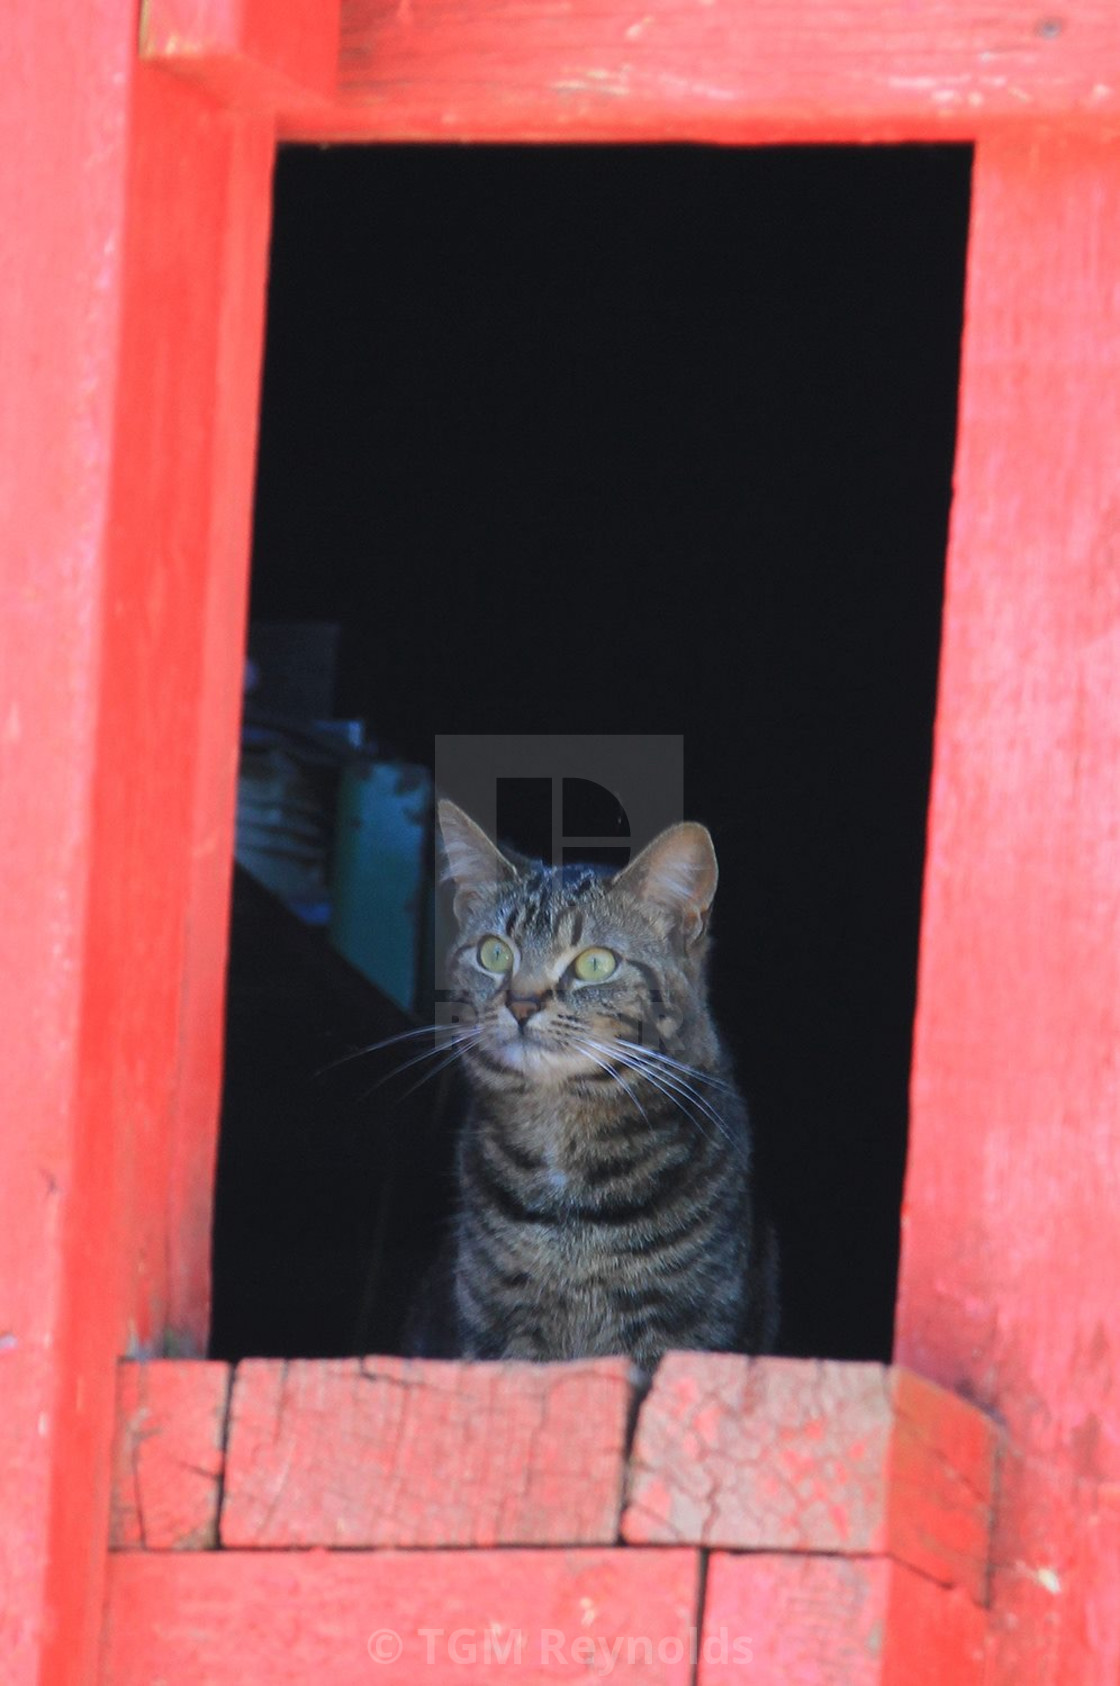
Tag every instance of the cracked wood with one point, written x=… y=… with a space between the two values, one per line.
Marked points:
x=783 y=1455
x=397 y=1452
x=167 y=1455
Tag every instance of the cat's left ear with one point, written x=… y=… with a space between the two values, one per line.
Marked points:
x=678 y=872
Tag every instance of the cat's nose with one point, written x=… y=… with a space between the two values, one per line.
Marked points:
x=524 y=1006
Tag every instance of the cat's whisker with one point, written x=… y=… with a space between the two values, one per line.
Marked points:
x=686 y=1092
x=375 y=1047
x=672 y=1087
x=455 y=1054
x=456 y=1042
x=687 y=1070
x=681 y=1104
x=656 y=1080
x=683 y=1087
x=583 y=1047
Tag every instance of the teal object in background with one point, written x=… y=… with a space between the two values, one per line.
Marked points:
x=379 y=876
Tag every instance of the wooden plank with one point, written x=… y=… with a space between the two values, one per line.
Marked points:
x=64 y=118
x=394 y=1452
x=778 y=1454
x=177 y=574
x=168 y=1455
x=1010 y=1262
x=767 y=71
x=828 y=1621
x=446 y=1618
x=230 y=418
x=119 y=195
x=252 y=54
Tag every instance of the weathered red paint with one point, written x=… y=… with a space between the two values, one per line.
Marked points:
x=860 y=1621
x=861 y=1498
x=168 y=1455
x=254 y=54
x=775 y=1454
x=399 y=1452
x=337 y=1618
x=686 y=70
x=173 y=588
x=60 y=279
x=139 y=217
x=1011 y=1255
x=135 y=211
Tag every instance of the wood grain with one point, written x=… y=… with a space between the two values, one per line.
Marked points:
x=396 y=1452
x=779 y=1454
x=707 y=70
x=444 y=1618
x=169 y=1454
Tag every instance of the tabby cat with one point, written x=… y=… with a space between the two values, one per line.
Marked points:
x=604 y=1165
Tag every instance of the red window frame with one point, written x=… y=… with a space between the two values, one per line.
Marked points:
x=135 y=191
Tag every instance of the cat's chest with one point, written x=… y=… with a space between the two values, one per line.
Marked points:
x=562 y=1181
x=554 y=1172
x=555 y=1146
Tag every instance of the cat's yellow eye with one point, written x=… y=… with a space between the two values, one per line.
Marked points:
x=495 y=955
x=594 y=964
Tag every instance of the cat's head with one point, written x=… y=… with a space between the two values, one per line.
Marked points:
x=557 y=967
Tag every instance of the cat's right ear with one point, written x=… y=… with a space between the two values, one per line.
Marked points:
x=472 y=863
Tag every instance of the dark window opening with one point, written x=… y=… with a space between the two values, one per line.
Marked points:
x=608 y=440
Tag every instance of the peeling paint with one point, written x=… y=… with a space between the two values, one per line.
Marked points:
x=591 y=84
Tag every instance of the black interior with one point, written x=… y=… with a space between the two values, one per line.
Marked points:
x=612 y=440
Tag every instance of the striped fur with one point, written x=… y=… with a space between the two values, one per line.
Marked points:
x=605 y=1161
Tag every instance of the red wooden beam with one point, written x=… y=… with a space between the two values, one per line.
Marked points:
x=710 y=70
x=1011 y=1255
x=134 y=280
x=62 y=198
x=448 y=1618
x=174 y=589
